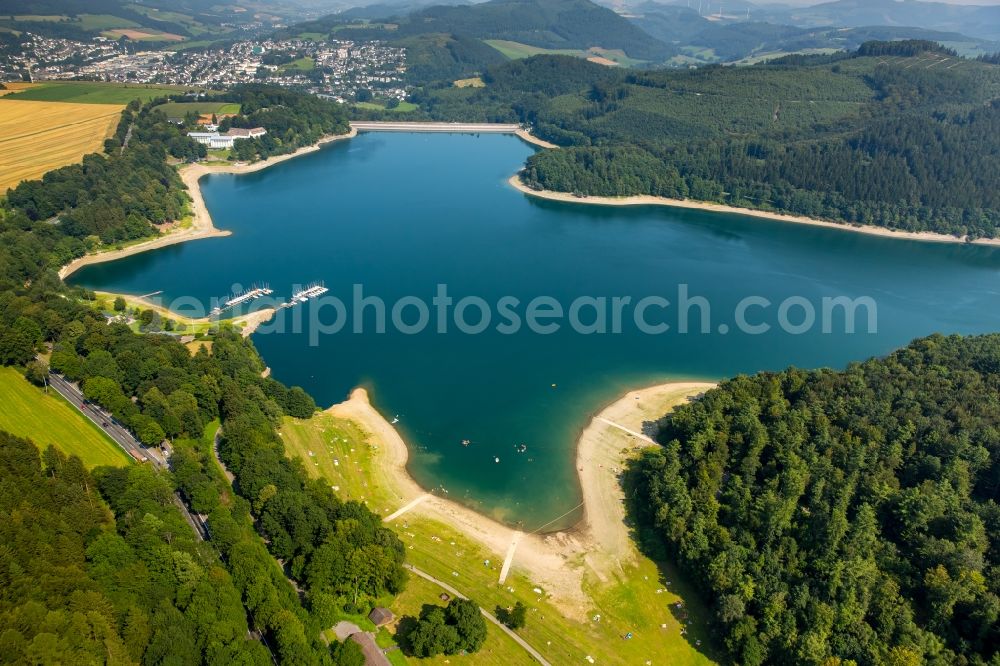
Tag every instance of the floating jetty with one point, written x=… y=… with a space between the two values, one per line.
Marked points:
x=243 y=297
x=311 y=291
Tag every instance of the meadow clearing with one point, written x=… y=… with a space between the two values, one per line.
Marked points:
x=36 y=137
x=203 y=107
x=46 y=418
x=596 y=54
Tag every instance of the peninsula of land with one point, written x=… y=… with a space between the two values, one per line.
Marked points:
x=649 y=200
x=201 y=225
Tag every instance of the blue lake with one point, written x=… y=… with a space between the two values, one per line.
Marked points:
x=400 y=214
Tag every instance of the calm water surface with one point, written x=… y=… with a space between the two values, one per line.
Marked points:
x=401 y=213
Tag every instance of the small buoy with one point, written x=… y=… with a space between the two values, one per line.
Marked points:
x=496 y=459
x=553 y=386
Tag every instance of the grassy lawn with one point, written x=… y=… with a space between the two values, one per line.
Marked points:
x=302 y=65
x=89 y=92
x=204 y=107
x=498 y=650
x=48 y=419
x=404 y=107
x=183 y=324
x=639 y=598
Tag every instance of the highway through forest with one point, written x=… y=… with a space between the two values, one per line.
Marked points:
x=123 y=438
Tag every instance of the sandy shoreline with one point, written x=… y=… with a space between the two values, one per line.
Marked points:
x=201 y=220
x=531 y=138
x=648 y=200
x=599 y=543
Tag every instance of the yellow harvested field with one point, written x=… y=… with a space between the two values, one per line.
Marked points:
x=13 y=87
x=36 y=137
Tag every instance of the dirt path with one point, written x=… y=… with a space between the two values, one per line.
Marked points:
x=489 y=616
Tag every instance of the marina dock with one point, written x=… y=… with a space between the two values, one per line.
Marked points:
x=311 y=291
x=243 y=297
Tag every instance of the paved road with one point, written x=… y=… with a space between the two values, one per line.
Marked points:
x=488 y=615
x=105 y=422
x=481 y=128
x=127 y=442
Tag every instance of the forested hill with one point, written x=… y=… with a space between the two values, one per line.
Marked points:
x=899 y=134
x=841 y=517
x=552 y=24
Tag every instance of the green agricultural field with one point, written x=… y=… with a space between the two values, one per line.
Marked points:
x=517 y=50
x=104 y=22
x=39 y=17
x=179 y=109
x=49 y=419
x=88 y=92
x=192 y=25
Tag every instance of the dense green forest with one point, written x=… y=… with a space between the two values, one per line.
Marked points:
x=103 y=568
x=841 y=517
x=292 y=119
x=866 y=139
x=337 y=554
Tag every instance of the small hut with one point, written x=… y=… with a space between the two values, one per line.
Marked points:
x=380 y=616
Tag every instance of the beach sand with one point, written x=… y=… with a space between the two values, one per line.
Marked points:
x=647 y=200
x=201 y=221
x=531 y=138
x=557 y=561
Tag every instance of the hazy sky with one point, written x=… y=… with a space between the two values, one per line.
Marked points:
x=951 y=2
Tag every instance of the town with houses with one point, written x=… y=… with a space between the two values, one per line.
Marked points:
x=335 y=69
